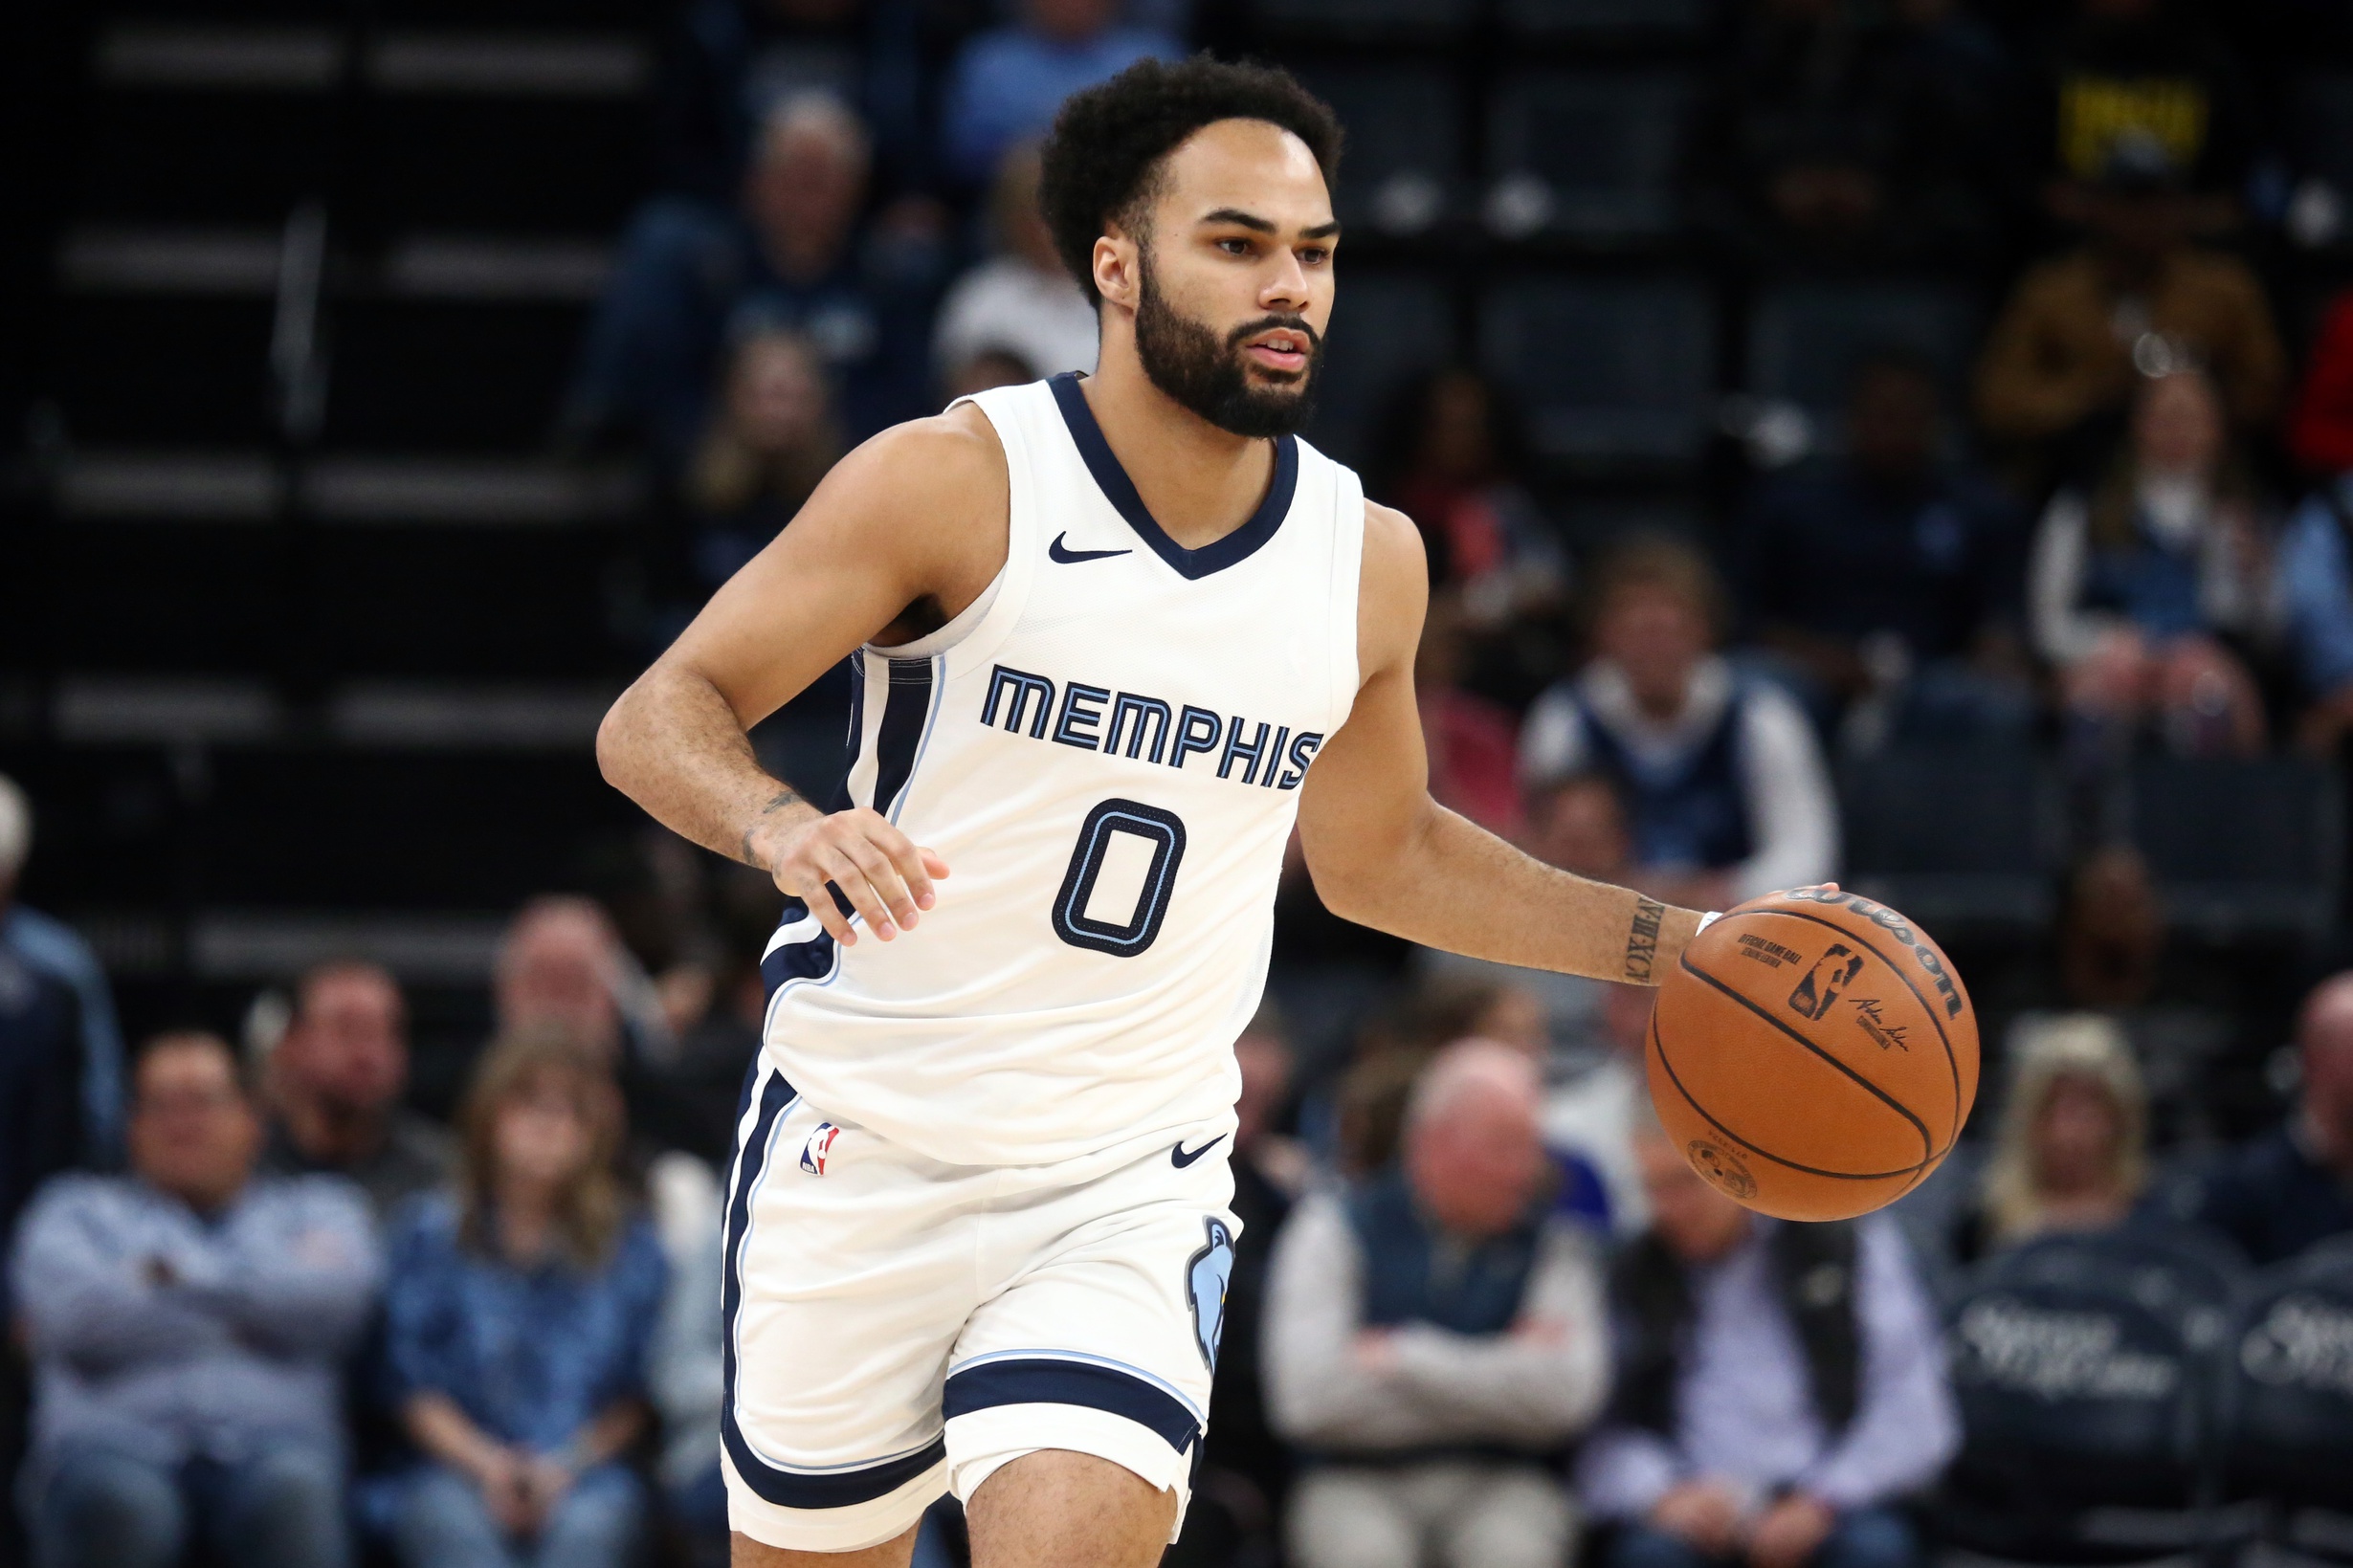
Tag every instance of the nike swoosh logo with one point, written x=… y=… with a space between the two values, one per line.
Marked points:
x=1178 y=1157
x=1060 y=552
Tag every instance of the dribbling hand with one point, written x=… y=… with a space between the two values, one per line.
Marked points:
x=886 y=876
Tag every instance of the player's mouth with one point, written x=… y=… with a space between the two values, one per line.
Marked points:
x=1283 y=351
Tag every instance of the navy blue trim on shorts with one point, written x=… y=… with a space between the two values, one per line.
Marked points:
x=788 y=1488
x=811 y=958
x=1046 y=1380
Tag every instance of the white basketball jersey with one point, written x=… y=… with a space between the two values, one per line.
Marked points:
x=1107 y=748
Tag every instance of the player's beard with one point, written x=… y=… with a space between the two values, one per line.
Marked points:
x=1184 y=357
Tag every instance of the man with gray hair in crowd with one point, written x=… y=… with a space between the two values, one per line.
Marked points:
x=60 y=1048
x=1436 y=1336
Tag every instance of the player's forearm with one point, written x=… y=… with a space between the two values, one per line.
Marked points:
x=673 y=745
x=1449 y=884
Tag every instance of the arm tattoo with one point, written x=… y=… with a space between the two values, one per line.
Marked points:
x=1642 y=940
x=786 y=796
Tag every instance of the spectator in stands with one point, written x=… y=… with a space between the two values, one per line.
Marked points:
x=1008 y=81
x=772 y=439
x=336 y=1084
x=562 y=963
x=185 y=1323
x=1890 y=579
x=689 y=278
x=37 y=946
x=2058 y=368
x=2138 y=589
x=2072 y=1150
x=2293 y=1185
x=519 y=1314
x=1019 y=315
x=1728 y=793
x=1451 y=455
x=2119 y=71
x=1434 y=1337
x=1779 y=1387
x=1821 y=135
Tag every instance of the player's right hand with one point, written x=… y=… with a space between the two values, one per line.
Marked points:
x=886 y=876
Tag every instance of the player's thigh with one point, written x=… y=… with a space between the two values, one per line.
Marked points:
x=1056 y=1508
x=848 y=1280
x=1102 y=1338
x=749 y=1552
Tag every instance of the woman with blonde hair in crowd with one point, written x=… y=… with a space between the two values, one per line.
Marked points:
x=2072 y=1150
x=518 y=1314
x=2147 y=590
x=770 y=441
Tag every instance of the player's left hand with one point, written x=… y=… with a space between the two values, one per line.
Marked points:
x=1789 y=1532
x=886 y=876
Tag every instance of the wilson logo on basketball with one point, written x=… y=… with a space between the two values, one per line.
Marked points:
x=1886 y=1035
x=1832 y=973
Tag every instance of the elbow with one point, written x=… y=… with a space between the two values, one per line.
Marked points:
x=613 y=741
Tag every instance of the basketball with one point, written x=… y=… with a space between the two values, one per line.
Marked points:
x=1814 y=1055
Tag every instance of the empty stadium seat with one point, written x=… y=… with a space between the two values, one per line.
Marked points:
x=1403 y=171
x=1954 y=835
x=2083 y=1368
x=2287 y=1430
x=1585 y=153
x=1610 y=370
x=1385 y=327
x=2242 y=848
x=1804 y=339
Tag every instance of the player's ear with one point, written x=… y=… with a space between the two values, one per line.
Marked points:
x=1119 y=268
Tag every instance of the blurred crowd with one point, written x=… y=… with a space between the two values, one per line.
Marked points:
x=1482 y=1314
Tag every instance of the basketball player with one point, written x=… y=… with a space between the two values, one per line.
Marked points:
x=1114 y=637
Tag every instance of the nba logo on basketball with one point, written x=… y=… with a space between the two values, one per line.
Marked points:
x=1833 y=973
x=820 y=1144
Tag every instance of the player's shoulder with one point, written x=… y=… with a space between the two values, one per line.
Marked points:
x=954 y=456
x=1393 y=546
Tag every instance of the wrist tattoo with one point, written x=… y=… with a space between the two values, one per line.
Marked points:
x=786 y=796
x=1642 y=940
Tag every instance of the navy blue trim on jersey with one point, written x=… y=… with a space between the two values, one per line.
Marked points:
x=906 y=710
x=1121 y=492
x=812 y=959
x=858 y=732
x=1047 y=1380
x=789 y=1489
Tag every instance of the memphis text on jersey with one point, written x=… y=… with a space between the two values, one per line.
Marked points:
x=1149 y=728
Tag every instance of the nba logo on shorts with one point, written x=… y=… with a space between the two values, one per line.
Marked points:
x=820 y=1144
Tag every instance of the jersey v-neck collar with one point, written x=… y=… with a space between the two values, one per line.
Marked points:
x=1121 y=492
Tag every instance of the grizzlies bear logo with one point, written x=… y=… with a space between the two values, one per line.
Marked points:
x=1206 y=1274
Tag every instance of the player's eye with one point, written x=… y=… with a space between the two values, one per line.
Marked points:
x=1315 y=255
x=1235 y=247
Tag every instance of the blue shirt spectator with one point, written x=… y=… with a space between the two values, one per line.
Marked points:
x=1007 y=82
x=1778 y=1387
x=691 y=277
x=185 y=1323
x=519 y=1321
x=1887 y=572
x=51 y=948
x=2293 y=1185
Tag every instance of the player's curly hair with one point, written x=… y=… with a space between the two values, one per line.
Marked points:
x=1103 y=155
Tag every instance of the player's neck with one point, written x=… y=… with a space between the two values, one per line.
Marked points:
x=1199 y=482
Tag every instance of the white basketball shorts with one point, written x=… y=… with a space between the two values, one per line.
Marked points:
x=897 y=1328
